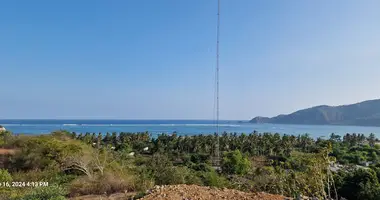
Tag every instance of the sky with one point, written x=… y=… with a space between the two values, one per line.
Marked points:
x=147 y=59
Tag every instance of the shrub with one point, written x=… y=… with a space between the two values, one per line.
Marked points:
x=359 y=184
x=35 y=175
x=201 y=167
x=183 y=175
x=161 y=169
x=5 y=138
x=235 y=163
x=200 y=158
x=212 y=178
x=43 y=152
x=5 y=176
x=52 y=192
x=144 y=179
x=107 y=184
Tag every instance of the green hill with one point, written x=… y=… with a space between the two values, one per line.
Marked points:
x=366 y=113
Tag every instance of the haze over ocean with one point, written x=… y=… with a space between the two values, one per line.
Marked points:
x=182 y=127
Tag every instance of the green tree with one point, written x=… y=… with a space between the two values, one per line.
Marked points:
x=99 y=140
x=161 y=166
x=359 y=184
x=87 y=138
x=235 y=163
x=73 y=135
x=371 y=139
x=107 y=138
x=374 y=157
x=93 y=138
x=114 y=139
x=335 y=138
x=5 y=137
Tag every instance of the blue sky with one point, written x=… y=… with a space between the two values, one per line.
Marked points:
x=155 y=59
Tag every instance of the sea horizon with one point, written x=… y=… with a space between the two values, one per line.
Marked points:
x=181 y=127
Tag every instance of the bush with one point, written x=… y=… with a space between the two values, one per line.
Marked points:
x=107 y=184
x=144 y=179
x=52 y=192
x=359 y=184
x=183 y=175
x=161 y=169
x=212 y=178
x=5 y=138
x=200 y=158
x=235 y=163
x=5 y=176
x=201 y=167
x=36 y=175
x=44 y=152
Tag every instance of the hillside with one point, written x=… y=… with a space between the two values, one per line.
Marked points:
x=366 y=113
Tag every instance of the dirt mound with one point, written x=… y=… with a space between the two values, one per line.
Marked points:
x=194 y=192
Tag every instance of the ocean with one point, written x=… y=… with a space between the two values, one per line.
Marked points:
x=182 y=127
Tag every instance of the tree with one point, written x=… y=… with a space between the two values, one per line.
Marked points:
x=87 y=138
x=114 y=139
x=107 y=138
x=88 y=161
x=43 y=152
x=93 y=138
x=161 y=169
x=371 y=140
x=335 y=138
x=235 y=163
x=359 y=184
x=99 y=140
x=5 y=137
x=73 y=135
x=374 y=157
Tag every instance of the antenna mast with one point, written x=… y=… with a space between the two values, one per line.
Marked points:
x=217 y=87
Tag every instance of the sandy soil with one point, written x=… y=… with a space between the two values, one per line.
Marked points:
x=188 y=192
x=6 y=151
x=194 y=192
x=117 y=196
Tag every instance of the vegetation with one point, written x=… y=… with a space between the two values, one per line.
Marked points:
x=91 y=163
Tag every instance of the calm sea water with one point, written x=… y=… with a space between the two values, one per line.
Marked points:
x=182 y=127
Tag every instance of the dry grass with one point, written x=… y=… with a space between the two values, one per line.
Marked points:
x=105 y=185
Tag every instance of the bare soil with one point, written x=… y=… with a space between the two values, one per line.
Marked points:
x=194 y=192
x=6 y=151
x=187 y=192
x=116 y=196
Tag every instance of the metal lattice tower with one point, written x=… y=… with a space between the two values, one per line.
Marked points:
x=217 y=163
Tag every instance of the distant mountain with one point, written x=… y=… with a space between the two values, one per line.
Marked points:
x=366 y=113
